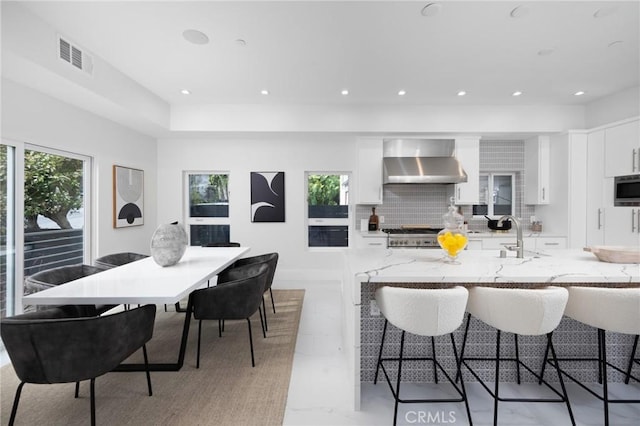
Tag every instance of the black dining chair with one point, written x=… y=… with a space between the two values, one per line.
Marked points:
x=118 y=259
x=237 y=298
x=49 y=346
x=63 y=274
x=271 y=260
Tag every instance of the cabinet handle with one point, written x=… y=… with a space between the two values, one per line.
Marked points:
x=380 y=192
x=551 y=244
x=633 y=161
x=543 y=194
x=599 y=218
x=375 y=244
x=633 y=221
x=458 y=188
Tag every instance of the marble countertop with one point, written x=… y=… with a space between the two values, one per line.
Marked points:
x=485 y=266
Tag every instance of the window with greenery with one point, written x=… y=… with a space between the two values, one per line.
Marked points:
x=497 y=195
x=208 y=207
x=327 y=210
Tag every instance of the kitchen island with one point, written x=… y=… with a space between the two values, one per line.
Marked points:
x=367 y=269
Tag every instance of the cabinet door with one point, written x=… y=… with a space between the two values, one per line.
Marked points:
x=622 y=226
x=595 y=185
x=467 y=152
x=369 y=172
x=536 y=170
x=622 y=149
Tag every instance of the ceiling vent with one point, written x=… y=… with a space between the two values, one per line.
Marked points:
x=75 y=56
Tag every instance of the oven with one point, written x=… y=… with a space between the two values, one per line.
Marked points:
x=413 y=237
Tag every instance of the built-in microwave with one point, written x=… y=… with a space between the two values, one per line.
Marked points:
x=626 y=190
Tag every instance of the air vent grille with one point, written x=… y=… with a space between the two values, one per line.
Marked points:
x=75 y=56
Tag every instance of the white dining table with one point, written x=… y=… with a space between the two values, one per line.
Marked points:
x=144 y=282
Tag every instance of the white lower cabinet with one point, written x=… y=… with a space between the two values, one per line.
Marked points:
x=622 y=226
x=550 y=243
x=371 y=241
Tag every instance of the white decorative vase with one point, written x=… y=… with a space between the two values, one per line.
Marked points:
x=168 y=244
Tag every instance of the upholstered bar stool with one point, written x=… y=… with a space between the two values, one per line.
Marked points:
x=614 y=310
x=424 y=312
x=525 y=312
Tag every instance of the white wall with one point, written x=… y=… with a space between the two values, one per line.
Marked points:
x=33 y=118
x=621 y=105
x=293 y=154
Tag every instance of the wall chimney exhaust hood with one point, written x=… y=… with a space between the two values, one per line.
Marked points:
x=421 y=161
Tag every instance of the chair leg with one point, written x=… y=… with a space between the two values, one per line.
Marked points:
x=496 y=387
x=262 y=322
x=146 y=367
x=77 y=390
x=631 y=360
x=397 y=395
x=435 y=363
x=464 y=391
x=603 y=357
x=16 y=400
x=464 y=343
x=198 y=350
x=384 y=332
x=219 y=328
x=544 y=363
x=564 y=390
x=599 y=358
x=517 y=358
x=93 y=402
x=266 y=326
x=273 y=304
x=253 y=362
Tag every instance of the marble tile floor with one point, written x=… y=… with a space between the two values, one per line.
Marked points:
x=318 y=391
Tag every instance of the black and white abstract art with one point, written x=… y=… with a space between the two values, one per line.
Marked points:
x=267 y=196
x=128 y=197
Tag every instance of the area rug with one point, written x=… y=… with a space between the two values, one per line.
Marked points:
x=225 y=390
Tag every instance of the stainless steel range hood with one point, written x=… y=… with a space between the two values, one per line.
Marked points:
x=421 y=161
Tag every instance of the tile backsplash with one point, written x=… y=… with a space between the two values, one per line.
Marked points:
x=426 y=203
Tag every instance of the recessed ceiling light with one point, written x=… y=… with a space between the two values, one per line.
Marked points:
x=545 y=52
x=402 y=92
x=432 y=9
x=241 y=42
x=519 y=12
x=195 y=37
x=264 y=92
x=517 y=93
x=462 y=93
x=345 y=92
x=185 y=92
x=579 y=93
x=616 y=43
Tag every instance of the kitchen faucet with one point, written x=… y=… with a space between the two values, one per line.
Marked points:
x=519 y=242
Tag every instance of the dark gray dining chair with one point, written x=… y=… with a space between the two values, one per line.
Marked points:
x=271 y=260
x=63 y=274
x=49 y=346
x=237 y=298
x=117 y=259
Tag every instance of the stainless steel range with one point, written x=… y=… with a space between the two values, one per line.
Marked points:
x=413 y=237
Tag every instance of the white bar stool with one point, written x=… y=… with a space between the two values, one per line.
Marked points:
x=424 y=312
x=606 y=309
x=526 y=312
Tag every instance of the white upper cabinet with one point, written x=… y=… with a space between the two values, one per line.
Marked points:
x=595 y=187
x=622 y=149
x=369 y=177
x=467 y=151
x=536 y=170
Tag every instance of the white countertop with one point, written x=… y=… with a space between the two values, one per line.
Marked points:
x=485 y=266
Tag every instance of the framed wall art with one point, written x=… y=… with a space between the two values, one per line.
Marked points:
x=267 y=196
x=128 y=197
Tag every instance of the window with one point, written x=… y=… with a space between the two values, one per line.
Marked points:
x=7 y=230
x=327 y=209
x=497 y=195
x=207 y=204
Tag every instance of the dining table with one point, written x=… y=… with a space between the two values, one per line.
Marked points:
x=145 y=282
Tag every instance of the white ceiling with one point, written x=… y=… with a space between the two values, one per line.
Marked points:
x=306 y=52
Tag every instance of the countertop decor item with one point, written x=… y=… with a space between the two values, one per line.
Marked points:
x=452 y=238
x=168 y=244
x=615 y=254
